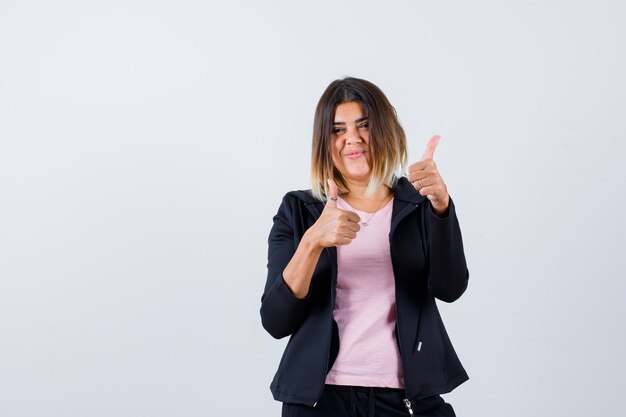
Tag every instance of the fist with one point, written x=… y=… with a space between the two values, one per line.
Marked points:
x=426 y=179
x=335 y=226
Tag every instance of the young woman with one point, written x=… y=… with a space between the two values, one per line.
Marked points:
x=355 y=265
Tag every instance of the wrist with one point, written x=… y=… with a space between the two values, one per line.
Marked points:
x=310 y=240
x=441 y=208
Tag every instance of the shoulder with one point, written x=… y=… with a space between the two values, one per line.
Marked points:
x=295 y=201
x=296 y=206
x=300 y=197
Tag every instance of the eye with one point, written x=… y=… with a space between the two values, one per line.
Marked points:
x=364 y=125
x=338 y=130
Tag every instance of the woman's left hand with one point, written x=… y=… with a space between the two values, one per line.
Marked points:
x=426 y=179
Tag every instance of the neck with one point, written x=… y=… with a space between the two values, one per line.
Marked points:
x=357 y=192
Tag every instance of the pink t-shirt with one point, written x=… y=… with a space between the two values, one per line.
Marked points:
x=365 y=307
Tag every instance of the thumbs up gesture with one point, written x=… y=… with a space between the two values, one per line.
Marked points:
x=426 y=178
x=335 y=226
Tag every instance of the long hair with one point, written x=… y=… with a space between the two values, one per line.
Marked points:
x=387 y=140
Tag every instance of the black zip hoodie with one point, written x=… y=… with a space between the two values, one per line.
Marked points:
x=428 y=262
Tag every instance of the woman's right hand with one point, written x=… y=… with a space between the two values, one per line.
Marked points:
x=335 y=226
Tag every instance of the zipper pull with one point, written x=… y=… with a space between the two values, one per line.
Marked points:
x=407 y=403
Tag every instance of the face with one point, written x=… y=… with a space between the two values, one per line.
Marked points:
x=350 y=142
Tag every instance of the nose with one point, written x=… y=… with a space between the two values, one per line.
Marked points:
x=353 y=136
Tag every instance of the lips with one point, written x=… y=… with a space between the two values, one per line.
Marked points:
x=354 y=154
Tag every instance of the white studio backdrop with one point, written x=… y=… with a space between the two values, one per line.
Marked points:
x=145 y=147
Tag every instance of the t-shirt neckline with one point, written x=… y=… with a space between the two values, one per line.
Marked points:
x=365 y=212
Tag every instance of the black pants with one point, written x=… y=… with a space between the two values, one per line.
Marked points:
x=345 y=401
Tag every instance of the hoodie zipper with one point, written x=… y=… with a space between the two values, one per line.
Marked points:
x=321 y=390
x=401 y=215
x=418 y=343
x=407 y=404
x=316 y=214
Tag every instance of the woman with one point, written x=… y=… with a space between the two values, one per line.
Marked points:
x=355 y=265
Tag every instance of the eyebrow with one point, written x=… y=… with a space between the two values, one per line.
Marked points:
x=360 y=119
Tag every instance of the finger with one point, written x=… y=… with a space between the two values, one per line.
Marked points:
x=430 y=148
x=350 y=235
x=416 y=176
x=344 y=237
x=332 y=193
x=352 y=216
x=422 y=165
x=422 y=187
x=353 y=227
x=433 y=190
x=349 y=216
x=417 y=166
x=422 y=183
x=343 y=241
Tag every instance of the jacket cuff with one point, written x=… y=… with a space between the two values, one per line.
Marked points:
x=284 y=293
x=437 y=218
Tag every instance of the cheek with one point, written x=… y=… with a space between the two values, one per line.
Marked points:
x=337 y=146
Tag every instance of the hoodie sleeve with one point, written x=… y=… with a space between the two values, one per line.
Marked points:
x=281 y=312
x=448 y=274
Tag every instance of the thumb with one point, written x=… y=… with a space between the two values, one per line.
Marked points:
x=430 y=148
x=332 y=194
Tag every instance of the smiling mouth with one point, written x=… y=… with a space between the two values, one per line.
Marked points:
x=354 y=155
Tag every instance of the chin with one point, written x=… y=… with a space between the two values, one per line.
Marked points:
x=358 y=173
x=358 y=176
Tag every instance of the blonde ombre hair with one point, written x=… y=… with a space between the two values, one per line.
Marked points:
x=387 y=141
